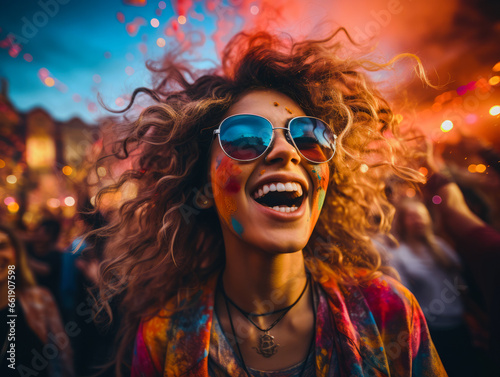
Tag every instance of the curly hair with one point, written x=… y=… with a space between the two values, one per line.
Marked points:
x=169 y=246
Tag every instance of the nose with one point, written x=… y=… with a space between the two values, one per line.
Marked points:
x=282 y=149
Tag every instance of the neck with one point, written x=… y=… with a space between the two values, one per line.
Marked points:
x=261 y=282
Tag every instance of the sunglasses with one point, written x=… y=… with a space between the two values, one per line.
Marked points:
x=246 y=137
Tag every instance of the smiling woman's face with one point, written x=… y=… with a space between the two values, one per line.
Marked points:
x=273 y=202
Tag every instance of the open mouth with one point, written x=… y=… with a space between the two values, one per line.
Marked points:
x=281 y=197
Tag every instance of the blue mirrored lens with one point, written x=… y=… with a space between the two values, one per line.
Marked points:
x=313 y=138
x=245 y=136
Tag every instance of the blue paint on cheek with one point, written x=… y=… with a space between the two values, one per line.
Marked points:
x=238 y=228
x=218 y=160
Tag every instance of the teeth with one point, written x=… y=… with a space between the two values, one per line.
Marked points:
x=284 y=209
x=280 y=187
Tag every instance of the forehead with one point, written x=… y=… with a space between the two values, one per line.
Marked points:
x=275 y=106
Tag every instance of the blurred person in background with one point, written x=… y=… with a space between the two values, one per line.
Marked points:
x=42 y=347
x=45 y=258
x=431 y=270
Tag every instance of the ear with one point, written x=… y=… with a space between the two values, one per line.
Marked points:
x=202 y=201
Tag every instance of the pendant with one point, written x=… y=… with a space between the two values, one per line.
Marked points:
x=267 y=346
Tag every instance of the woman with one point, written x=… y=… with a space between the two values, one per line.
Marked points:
x=430 y=269
x=245 y=251
x=34 y=342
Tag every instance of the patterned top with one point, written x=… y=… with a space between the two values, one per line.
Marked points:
x=223 y=361
x=376 y=329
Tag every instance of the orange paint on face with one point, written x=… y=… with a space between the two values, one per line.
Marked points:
x=276 y=104
x=289 y=111
x=225 y=184
x=262 y=171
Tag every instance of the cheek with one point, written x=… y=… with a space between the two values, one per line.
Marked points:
x=320 y=177
x=225 y=184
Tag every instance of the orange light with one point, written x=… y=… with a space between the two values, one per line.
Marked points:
x=2 y=163
x=496 y=67
x=410 y=192
x=494 y=80
x=49 y=81
x=472 y=168
x=480 y=168
x=13 y=207
x=182 y=20
x=363 y=168
x=67 y=170
x=423 y=170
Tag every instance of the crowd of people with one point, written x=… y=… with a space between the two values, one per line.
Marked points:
x=256 y=246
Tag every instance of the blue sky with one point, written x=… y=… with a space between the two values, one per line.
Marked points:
x=81 y=40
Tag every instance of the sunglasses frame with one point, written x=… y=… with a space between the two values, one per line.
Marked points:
x=288 y=136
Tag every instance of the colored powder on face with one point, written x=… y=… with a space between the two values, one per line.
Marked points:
x=218 y=161
x=276 y=104
x=262 y=171
x=238 y=228
x=289 y=111
x=321 y=198
x=232 y=186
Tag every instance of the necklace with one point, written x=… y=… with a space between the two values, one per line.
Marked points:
x=267 y=345
x=227 y=300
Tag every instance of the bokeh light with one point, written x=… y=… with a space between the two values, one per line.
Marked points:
x=496 y=67
x=410 y=192
x=154 y=22
x=28 y=57
x=11 y=179
x=480 y=168
x=363 y=168
x=162 y=5
x=96 y=78
x=160 y=42
x=129 y=70
x=495 y=110
x=423 y=170
x=471 y=118
x=472 y=168
x=67 y=170
x=436 y=199
x=120 y=101
x=182 y=20
x=254 y=9
x=9 y=200
x=494 y=80
x=53 y=203
x=69 y=201
x=13 y=207
x=2 y=163
x=101 y=171
x=446 y=126
x=49 y=81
